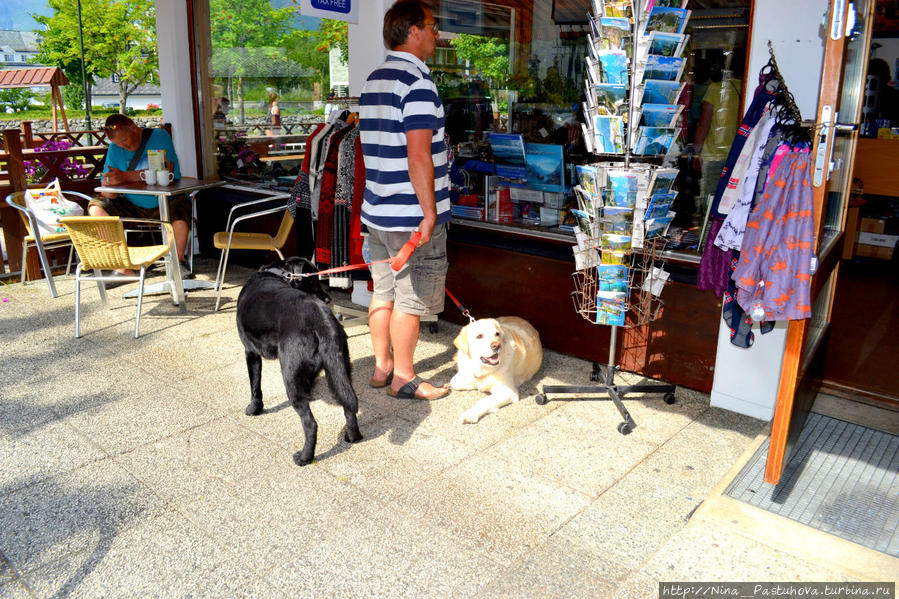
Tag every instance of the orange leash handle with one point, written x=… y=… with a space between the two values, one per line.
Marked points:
x=405 y=252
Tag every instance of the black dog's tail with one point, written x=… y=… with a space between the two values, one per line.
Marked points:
x=336 y=361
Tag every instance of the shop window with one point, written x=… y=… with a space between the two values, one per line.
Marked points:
x=517 y=67
x=272 y=74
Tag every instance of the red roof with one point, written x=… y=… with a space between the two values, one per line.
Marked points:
x=32 y=77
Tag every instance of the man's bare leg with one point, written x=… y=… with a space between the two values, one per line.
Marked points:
x=379 y=312
x=404 y=329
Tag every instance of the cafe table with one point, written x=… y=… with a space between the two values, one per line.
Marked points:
x=186 y=185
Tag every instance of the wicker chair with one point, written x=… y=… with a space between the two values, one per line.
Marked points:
x=101 y=244
x=42 y=243
x=243 y=240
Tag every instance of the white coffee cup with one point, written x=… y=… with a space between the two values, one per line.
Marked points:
x=148 y=177
x=164 y=177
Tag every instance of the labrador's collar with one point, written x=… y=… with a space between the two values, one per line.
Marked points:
x=287 y=275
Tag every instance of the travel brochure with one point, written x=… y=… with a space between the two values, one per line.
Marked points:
x=508 y=156
x=545 y=166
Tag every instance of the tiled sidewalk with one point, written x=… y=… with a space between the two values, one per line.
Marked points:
x=128 y=469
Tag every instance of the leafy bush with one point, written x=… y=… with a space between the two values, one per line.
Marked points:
x=35 y=170
x=15 y=99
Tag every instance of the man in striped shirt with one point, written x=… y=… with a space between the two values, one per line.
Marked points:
x=401 y=125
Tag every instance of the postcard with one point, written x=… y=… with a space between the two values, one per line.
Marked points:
x=585 y=258
x=589 y=137
x=666 y=68
x=662 y=180
x=583 y=220
x=611 y=98
x=621 y=188
x=659 y=115
x=666 y=19
x=585 y=201
x=661 y=92
x=616 y=8
x=655 y=281
x=611 y=314
x=615 y=33
x=615 y=257
x=659 y=205
x=657 y=227
x=545 y=167
x=653 y=141
x=592 y=45
x=508 y=155
x=612 y=277
x=617 y=219
x=666 y=44
x=587 y=177
x=609 y=138
x=613 y=67
x=616 y=241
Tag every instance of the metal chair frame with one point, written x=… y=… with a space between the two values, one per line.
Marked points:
x=33 y=229
x=230 y=226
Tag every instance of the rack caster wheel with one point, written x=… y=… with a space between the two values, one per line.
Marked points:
x=433 y=328
x=669 y=398
x=624 y=428
x=540 y=399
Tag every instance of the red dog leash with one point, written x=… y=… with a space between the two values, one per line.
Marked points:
x=396 y=263
x=459 y=305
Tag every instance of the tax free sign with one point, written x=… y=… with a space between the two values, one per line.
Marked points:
x=341 y=10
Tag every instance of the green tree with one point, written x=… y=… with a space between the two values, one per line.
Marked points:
x=488 y=55
x=240 y=29
x=119 y=42
x=16 y=98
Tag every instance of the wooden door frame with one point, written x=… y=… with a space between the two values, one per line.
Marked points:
x=798 y=384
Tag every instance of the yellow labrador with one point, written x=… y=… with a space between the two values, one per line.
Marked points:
x=495 y=355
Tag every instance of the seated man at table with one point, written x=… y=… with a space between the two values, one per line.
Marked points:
x=123 y=166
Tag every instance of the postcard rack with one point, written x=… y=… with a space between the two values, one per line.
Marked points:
x=623 y=208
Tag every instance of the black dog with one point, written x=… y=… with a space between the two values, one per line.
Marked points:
x=280 y=315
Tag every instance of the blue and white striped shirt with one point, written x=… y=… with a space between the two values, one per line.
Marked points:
x=400 y=96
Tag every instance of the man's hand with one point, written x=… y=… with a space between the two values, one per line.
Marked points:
x=426 y=228
x=115 y=176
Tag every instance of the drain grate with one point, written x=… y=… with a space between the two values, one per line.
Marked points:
x=843 y=479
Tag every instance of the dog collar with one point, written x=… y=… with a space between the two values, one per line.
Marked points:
x=288 y=276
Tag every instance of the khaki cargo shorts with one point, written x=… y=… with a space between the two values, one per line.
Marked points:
x=179 y=208
x=418 y=288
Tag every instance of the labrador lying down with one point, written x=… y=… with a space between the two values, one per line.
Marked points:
x=288 y=318
x=496 y=355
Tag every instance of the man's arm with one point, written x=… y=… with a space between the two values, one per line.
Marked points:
x=421 y=174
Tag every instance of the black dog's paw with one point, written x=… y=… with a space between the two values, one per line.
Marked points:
x=254 y=409
x=299 y=460
x=352 y=436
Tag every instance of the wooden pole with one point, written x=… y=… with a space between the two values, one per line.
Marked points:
x=58 y=95
x=13 y=229
x=27 y=135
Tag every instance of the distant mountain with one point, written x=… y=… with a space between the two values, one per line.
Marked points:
x=16 y=16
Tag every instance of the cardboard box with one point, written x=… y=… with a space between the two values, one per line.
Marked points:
x=872 y=225
x=878 y=239
x=874 y=251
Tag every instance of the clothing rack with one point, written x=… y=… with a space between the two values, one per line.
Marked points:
x=789 y=100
